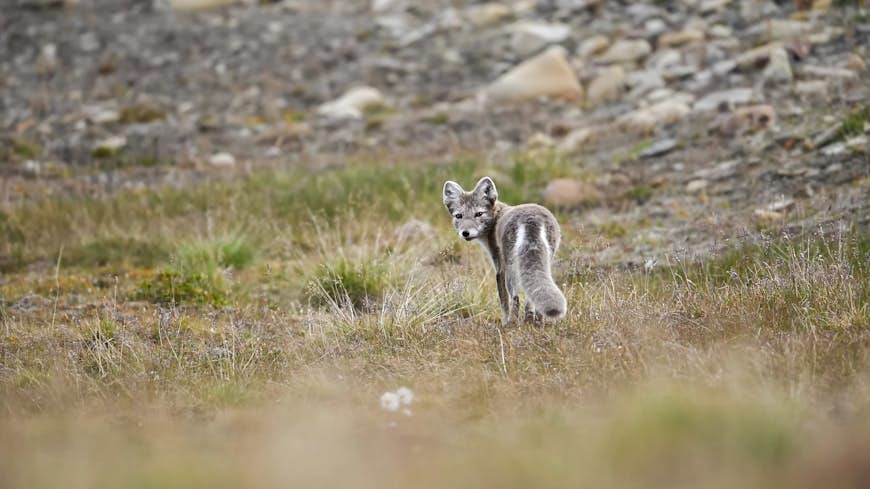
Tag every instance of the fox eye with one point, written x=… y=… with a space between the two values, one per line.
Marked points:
x=457 y=216
x=478 y=214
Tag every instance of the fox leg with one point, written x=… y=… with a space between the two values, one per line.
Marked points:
x=531 y=316
x=512 y=282
x=503 y=299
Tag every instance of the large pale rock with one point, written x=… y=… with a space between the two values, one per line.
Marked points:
x=546 y=75
x=661 y=114
x=625 y=51
x=567 y=193
x=190 y=5
x=609 y=85
x=352 y=104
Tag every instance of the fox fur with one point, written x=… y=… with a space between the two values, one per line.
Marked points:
x=521 y=240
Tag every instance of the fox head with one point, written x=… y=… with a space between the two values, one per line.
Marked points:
x=472 y=211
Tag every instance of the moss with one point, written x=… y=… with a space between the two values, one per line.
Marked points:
x=26 y=149
x=141 y=113
x=170 y=287
x=854 y=122
x=640 y=193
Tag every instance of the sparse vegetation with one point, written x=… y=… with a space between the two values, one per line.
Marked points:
x=702 y=372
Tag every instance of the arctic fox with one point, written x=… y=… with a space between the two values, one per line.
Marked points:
x=521 y=240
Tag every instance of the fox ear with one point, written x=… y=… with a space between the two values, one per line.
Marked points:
x=452 y=191
x=486 y=187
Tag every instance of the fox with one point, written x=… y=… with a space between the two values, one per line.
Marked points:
x=521 y=241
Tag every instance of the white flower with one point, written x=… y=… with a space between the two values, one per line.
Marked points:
x=406 y=395
x=390 y=401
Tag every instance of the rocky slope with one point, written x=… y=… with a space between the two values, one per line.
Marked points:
x=684 y=123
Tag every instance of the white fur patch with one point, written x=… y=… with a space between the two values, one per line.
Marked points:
x=521 y=239
x=544 y=239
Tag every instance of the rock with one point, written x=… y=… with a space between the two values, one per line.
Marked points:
x=643 y=82
x=724 y=99
x=708 y=7
x=649 y=118
x=222 y=160
x=856 y=63
x=608 y=86
x=678 y=38
x=811 y=87
x=766 y=215
x=352 y=104
x=530 y=37
x=654 y=27
x=109 y=146
x=697 y=185
x=782 y=29
x=540 y=140
x=546 y=75
x=414 y=230
x=566 y=193
x=756 y=56
x=487 y=14
x=192 y=5
x=659 y=148
x=752 y=118
x=827 y=72
x=385 y=5
x=720 y=31
x=592 y=46
x=575 y=139
x=625 y=51
x=778 y=69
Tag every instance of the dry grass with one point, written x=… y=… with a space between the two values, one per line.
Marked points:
x=747 y=370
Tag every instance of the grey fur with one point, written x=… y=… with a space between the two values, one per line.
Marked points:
x=521 y=255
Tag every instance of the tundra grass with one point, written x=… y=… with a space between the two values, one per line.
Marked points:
x=297 y=306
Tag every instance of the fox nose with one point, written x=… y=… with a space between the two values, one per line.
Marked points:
x=464 y=234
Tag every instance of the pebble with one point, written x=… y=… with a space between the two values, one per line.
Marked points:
x=724 y=99
x=222 y=160
x=608 y=86
x=778 y=69
x=566 y=193
x=659 y=148
x=352 y=104
x=626 y=50
x=592 y=46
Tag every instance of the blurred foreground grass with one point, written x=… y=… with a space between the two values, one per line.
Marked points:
x=240 y=335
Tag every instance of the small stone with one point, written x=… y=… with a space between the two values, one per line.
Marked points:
x=766 y=215
x=720 y=31
x=751 y=118
x=625 y=50
x=659 y=148
x=110 y=145
x=540 y=140
x=546 y=75
x=487 y=14
x=650 y=118
x=566 y=193
x=353 y=103
x=530 y=37
x=608 y=86
x=812 y=87
x=222 y=160
x=678 y=38
x=756 y=56
x=575 y=140
x=827 y=72
x=778 y=69
x=697 y=185
x=592 y=46
x=89 y=42
x=192 y=5
x=724 y=99
x=783 y=29
x=856 y=63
